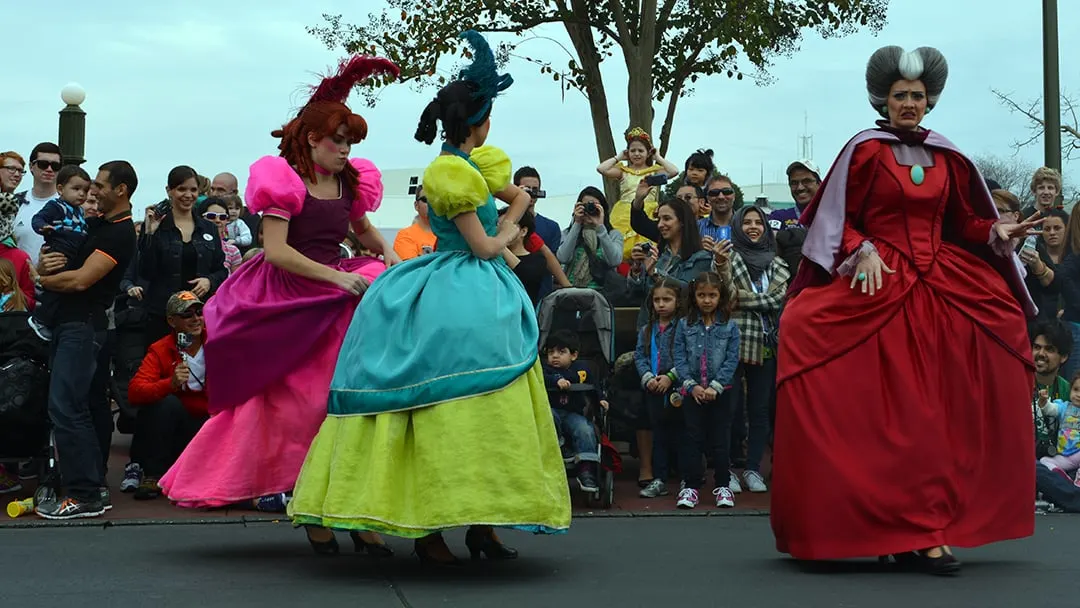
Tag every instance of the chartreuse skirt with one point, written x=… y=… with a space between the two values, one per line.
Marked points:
x=438 y=416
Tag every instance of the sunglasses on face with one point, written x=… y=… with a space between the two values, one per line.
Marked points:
x=721 y=191
x=190 y=314
x=47 y=164
x=422 y=199
x=806 y=182
x=15 y=170
x=213 y=217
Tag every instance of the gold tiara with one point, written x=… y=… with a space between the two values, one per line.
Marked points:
x=638 y=133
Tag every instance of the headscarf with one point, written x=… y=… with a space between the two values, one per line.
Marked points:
x=757 y=256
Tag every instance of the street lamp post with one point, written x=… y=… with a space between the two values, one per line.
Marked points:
x=1051 y=90
x=72 y=135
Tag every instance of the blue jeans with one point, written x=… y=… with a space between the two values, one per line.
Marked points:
x=73 y=360
x=578 y=432
x=1057 y=489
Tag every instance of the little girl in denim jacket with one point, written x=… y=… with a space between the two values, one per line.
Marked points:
x=656 y=366
x=1065 y=454
x=706 y=354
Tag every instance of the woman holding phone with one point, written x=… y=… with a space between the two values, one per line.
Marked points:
x=642 y=162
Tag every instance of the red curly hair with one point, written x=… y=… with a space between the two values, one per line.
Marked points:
x=320 y=119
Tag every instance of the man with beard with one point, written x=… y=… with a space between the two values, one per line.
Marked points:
x=720 y=195
x=1051 y=348
x=803 y=180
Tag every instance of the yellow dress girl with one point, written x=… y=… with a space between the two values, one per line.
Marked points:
x=642 y=160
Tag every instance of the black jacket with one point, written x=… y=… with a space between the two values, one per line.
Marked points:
x=159 y=262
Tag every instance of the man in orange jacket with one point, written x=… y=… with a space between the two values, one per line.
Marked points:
x=169 y=391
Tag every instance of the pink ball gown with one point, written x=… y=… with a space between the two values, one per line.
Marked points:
x=273 y=341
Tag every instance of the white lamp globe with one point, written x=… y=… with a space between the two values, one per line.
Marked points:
x=73 y=94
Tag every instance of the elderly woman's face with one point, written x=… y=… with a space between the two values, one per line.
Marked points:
x=907 y=104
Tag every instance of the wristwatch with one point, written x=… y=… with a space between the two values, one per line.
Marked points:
x=37 y=282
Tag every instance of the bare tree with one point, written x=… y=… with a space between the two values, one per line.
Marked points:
x=1013 y=173
x=1070 y=125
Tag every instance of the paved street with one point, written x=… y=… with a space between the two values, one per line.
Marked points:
x=626 y=561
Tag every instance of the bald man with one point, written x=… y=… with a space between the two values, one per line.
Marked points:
x=224 y=184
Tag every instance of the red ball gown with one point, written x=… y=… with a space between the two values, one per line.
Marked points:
x=903 y=419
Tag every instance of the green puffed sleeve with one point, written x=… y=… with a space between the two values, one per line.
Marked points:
x=453 y=186
x=494 y=165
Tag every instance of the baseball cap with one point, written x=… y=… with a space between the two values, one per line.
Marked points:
x=180 y=302
x=804 y=164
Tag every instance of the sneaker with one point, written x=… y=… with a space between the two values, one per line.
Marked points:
x=688 y=498
x=42 y=332
x=725 y=499
x=106 y=498
x=8 y=482
x=28 y=470
x=656 y=487
x=148 y=489
x=133 y=475
x=70 y=508
x=274 y=503
x=755 y=482
x=733 y=483
x=586 y=478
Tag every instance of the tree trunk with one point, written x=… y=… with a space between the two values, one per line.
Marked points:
x=669 y=119
x=582 y=38
x=639 y=89
x=639 y=62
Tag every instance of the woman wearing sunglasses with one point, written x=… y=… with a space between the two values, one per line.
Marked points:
x=215 y=211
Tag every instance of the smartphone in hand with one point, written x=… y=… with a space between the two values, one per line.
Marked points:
x=656 y=179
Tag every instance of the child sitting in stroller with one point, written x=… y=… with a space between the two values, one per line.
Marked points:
x=562 y=371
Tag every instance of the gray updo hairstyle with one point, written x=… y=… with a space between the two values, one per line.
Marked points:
x=891 y=63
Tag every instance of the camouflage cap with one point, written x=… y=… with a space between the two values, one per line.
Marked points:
x=180 y=302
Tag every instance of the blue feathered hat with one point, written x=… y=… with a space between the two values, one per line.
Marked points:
x=483 y=73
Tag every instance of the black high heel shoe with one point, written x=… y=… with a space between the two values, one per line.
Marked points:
x=422 y=548
x=945 y=564
x=483 y=541
x=379 y=550
x=328 y=547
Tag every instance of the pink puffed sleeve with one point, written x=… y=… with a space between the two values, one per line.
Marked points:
x=274 y=188
x=369 y=191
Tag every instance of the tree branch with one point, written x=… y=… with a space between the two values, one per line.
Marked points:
x=1018 y=108
x=615 y=6
x=665 y=14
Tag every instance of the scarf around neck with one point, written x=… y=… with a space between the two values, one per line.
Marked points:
x=757 y=256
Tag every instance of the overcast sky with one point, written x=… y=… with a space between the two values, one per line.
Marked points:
x=203 y=83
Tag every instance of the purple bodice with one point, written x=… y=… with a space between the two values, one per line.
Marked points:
x=320 y=227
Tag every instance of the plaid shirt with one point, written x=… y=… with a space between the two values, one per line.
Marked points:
x=754 y=308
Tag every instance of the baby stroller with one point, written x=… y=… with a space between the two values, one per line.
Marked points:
x=24 y=393
x=588 y=314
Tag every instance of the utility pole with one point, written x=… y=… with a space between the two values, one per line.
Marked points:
x=1051 y=88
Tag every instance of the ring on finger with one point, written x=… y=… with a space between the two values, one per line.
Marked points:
x=861 y=276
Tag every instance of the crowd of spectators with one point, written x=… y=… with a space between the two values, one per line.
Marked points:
x=120 y=303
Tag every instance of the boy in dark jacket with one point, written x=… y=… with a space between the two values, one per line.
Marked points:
x=561 y=370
